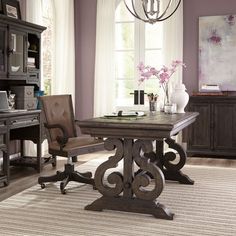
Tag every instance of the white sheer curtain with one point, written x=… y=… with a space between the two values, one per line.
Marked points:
x=173 y=48
x=173 y=42
x=104 y=84
x=34 y=11
x=64 y=81
x=34 y=14
x=64 y=51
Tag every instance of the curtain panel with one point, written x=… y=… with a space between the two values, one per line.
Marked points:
x=63 y=80
x=104 y=81
x=63 y=61
x=173 y=42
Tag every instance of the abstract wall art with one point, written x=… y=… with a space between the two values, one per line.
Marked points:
x=217 y=51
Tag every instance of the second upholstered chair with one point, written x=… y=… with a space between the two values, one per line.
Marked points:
x=60 y=128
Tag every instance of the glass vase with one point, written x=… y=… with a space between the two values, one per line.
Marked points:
x=169 y=107
x=152 y=106
x=166 y=96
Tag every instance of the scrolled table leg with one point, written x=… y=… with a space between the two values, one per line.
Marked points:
x=172 y=170
x=141 y=149
x=115 y=179
x=148 y=168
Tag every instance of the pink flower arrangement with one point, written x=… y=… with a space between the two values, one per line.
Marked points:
x=164 y=74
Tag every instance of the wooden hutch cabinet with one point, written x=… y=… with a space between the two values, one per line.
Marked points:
x=214 y=132
x=20 y=45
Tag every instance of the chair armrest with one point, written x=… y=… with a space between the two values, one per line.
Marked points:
x=61 y=140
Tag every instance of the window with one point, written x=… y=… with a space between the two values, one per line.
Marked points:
x=135 y=41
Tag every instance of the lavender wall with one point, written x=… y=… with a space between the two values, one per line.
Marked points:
x=85 y=36
x=192 y=10
x=85 y=27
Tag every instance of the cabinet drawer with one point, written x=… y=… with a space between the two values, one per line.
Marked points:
x=29 y=103
x=33 y=75
x=24 y=121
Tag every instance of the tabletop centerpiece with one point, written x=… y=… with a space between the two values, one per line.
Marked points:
x=164 y=75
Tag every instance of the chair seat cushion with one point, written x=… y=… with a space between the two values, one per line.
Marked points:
x=76 y=146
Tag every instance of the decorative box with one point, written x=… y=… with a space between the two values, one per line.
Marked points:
x=23 y=92
x=27 y=103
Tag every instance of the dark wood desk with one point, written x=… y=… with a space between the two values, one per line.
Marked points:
x=133 y=140
x=21 y=126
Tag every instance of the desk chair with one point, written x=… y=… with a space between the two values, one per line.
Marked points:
x=63 y=140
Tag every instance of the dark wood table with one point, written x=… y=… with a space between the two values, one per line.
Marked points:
x=132 y=138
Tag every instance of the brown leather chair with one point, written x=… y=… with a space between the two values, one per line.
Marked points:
x=63 y=140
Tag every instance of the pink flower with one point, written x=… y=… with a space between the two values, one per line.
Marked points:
x=141 y=66
x=164 y=74
x=163 y=77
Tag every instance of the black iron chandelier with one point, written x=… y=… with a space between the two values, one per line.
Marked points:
x=152 y=11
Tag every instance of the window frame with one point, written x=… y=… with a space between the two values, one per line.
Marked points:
x=139 y=52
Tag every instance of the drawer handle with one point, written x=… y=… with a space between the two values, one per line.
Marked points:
x=29 y=93
x=33 y=76
x=30 y=105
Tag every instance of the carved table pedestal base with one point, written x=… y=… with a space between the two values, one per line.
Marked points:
x=131 y=205
x=136 y=198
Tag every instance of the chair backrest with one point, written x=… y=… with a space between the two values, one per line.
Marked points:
x=58 y=109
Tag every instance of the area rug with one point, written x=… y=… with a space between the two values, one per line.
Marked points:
x=206 y=208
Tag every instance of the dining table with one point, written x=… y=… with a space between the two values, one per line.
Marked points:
x=146 y=148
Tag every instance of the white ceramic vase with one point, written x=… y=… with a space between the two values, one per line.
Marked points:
x=180 y=97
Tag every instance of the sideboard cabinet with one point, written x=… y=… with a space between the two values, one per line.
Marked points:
x=214 y=132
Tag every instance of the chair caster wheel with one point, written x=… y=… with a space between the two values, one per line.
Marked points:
x=43 y=186
x=63 y=191
x=54 y=164
x=62 y=188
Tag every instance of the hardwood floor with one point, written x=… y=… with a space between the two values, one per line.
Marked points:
x=220 y=162
x=23 y=178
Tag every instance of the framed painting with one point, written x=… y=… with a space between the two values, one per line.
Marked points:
x=11 y=8
x=217 y=51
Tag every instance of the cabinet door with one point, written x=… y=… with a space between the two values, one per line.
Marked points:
x=17 y=53
x=199 y=137
x=3 y=49
x=224 y=126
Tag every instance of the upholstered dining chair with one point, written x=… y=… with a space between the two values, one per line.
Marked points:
x=60 y=128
